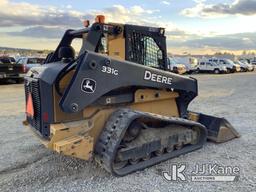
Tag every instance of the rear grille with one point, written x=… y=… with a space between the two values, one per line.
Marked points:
x=33 y=88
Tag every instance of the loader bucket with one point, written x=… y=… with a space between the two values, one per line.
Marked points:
x=219 y=129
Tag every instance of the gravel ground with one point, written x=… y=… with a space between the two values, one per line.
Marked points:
x=25 y=165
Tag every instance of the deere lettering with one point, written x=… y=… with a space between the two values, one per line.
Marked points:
x=149 y=76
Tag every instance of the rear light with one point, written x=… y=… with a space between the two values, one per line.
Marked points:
x=24 y=69
x=30 y=107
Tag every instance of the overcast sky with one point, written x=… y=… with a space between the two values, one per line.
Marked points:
x=195 y=26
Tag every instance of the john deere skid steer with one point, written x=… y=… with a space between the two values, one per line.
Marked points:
x=116 y=102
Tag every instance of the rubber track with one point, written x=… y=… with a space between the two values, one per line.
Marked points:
x=114 y=131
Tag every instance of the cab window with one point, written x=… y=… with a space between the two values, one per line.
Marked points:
x=19 y=61
x=144 y=50
x=152 y=54
x=5 y=61
x=22 y=61
x=32 y=61
x=35 y=60
x=222 y=62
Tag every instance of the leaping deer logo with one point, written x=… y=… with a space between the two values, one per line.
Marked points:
x=89 y=85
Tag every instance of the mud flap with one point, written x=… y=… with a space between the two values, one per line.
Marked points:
x=219 y=129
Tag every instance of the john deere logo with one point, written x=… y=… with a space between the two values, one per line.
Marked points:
x=88 y=85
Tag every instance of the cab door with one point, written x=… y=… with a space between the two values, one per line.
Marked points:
x=209 y=66
x=203 y=66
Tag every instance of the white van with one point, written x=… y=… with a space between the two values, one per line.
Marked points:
x=173 y=66
x=191 y=63
x=230 y=65
x=211 y=67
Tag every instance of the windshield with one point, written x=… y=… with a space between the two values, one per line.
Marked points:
x=230 y=62
x=193 y=61
x=172 y=61
x=244 y=62
x=239 y=63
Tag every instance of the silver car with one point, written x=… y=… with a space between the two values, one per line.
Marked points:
x=29 y=62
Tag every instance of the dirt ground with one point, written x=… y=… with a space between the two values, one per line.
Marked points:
x=26 y=165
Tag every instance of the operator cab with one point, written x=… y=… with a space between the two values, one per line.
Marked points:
x=138 y=44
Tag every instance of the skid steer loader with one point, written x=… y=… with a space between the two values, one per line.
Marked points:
x=116 y=102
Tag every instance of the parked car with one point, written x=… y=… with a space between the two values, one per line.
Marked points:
x=230 y=65
x=8 y=59
x=243 y=60
x=244 y=66
x=211 y=67
x=8 y=70
x=253 y=62
x=191 y=63
x=175 y=67
x=29 y=62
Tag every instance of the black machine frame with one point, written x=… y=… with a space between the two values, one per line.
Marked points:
x=89 y=65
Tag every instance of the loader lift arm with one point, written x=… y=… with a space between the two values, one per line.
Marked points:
x=92 y=66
